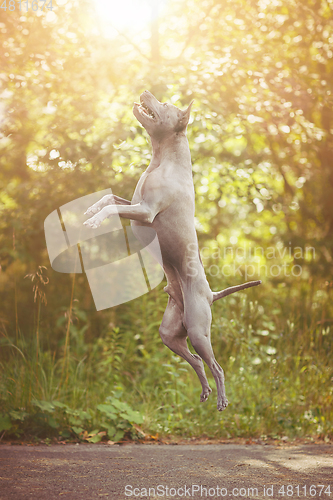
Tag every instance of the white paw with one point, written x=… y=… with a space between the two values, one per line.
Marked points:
x=94 y=222
x=91 y=210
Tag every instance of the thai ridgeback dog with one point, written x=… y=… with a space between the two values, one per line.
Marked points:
x=164 y=200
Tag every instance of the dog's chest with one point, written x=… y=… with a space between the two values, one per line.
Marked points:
x=164 y=183
x=138 y=192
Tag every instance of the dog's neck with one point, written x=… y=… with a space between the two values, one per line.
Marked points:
x=172 y=149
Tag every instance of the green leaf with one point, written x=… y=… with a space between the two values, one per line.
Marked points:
x=111 y=430
x=118 y=436
x=45 y=406
x=132 y=416
x=77 y=430
x=120 y=405
x=95 y=439
x=18 y=415
x=84 y=415
x=92 y=433
x=74 y=420
x=5 y=423
x=59 y=405
x=65 y=433
x=52 y=423
x=108 y=410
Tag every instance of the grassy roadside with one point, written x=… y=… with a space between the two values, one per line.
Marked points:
x=276 y=351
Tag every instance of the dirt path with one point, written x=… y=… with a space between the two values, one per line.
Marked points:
x=88 y=472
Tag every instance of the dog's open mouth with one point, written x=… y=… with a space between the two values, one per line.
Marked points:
x=144 y=109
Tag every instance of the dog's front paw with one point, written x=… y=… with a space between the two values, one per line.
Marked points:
x=93 y=222
x=92 y=210
x=99 y=205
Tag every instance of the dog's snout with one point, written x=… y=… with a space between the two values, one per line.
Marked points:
x=146 y=93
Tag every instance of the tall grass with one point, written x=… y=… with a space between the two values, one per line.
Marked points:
x=276 y=351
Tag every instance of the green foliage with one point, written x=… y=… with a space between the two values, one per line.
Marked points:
x=114 y=420
x=118 y=418
x=276 y=357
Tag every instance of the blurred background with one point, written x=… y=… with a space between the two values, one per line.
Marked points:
x=260 y=73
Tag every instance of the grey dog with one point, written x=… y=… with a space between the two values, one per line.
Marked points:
x=164 y=200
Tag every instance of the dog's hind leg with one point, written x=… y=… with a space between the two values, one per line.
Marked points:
x=173 y=335
x=197 y=319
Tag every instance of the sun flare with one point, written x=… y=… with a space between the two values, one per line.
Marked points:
x=133 y=15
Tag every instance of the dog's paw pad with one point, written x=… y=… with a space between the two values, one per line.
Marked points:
x=222 y=406
x=204 y=395
x=92 y=223
x=90 y=211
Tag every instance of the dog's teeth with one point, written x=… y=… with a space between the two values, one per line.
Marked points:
x=147 y=110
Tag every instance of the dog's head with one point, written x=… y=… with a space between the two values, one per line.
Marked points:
x=160 y=119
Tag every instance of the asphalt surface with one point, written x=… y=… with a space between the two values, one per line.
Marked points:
x=230 y=471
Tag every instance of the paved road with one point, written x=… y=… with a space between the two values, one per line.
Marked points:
x=229 y=471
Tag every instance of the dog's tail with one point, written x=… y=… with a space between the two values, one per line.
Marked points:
x=233 y=289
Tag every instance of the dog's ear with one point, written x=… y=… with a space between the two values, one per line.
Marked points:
x=184 y=119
